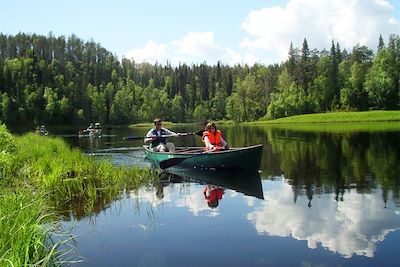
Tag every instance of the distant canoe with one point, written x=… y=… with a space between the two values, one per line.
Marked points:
x=90 y=133
x=244 y=158
x=41 y=132
x=95 y=133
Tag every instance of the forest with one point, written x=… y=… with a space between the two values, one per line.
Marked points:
x=65 y=80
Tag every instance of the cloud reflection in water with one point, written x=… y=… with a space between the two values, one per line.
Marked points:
x=350 y=227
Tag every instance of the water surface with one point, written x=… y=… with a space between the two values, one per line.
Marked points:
x=322 y=198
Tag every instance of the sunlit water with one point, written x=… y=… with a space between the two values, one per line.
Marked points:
x=327 y=199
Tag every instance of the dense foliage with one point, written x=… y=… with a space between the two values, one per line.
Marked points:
x=58 y=79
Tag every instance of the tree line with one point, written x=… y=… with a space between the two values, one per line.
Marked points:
x=49 y=79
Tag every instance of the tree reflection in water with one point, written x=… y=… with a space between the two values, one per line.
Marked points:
x=333 y=162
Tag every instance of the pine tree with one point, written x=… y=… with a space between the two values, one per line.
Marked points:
x=339 y=56
x=333 y=76
x=381 y=44
x=304 y=67
x=291 y=63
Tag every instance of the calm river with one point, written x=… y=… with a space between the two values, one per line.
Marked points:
x=325 y=198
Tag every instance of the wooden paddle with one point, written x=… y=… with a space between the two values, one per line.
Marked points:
x=199 y=133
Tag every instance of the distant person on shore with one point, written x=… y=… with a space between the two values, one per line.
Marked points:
x=212 y=139
x=157 y=137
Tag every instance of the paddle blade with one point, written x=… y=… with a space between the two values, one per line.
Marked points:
x=199 y=133
x=168 y=163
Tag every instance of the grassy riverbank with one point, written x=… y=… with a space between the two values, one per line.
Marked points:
x=37 y=176
x=337 y=122
x=337 y=117
x=337 y=127
x=330 y=117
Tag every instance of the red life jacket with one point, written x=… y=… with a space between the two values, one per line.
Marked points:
x=214 y=196
x=215 y=139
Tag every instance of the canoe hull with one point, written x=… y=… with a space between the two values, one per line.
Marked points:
x=245 y=158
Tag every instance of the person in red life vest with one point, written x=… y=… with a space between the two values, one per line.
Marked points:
x=212 y=138
x=157 y=137
x=213 y=194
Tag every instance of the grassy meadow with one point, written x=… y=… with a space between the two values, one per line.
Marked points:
x=373 y=116
x=38 y=175
x=337 y=117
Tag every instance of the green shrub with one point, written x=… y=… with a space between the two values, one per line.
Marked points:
x=7 y=151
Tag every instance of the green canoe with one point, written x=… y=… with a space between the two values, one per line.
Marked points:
x=244 y=158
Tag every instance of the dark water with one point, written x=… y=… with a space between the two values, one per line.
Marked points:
x=322 y=199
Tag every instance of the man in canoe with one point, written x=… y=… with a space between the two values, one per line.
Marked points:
x=157 y=137
x=90 y=127
x=212 y=138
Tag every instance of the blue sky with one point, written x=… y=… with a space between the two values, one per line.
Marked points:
x=208 y=30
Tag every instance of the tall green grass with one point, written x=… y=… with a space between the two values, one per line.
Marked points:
x=25 y=223
x=49 y=164
x=40 y=174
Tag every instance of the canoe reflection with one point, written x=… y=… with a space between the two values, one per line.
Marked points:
x=247 y=183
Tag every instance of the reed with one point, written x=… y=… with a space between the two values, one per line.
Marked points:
x=25 y=223
x=65 y=173
x=39 y=175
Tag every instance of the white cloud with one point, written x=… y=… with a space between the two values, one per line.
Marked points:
x=149 y=195
x=199 y=44
x=269 y=31
x=153 y=52
x=347 y=21
x=353 y=226
x=194 y=47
